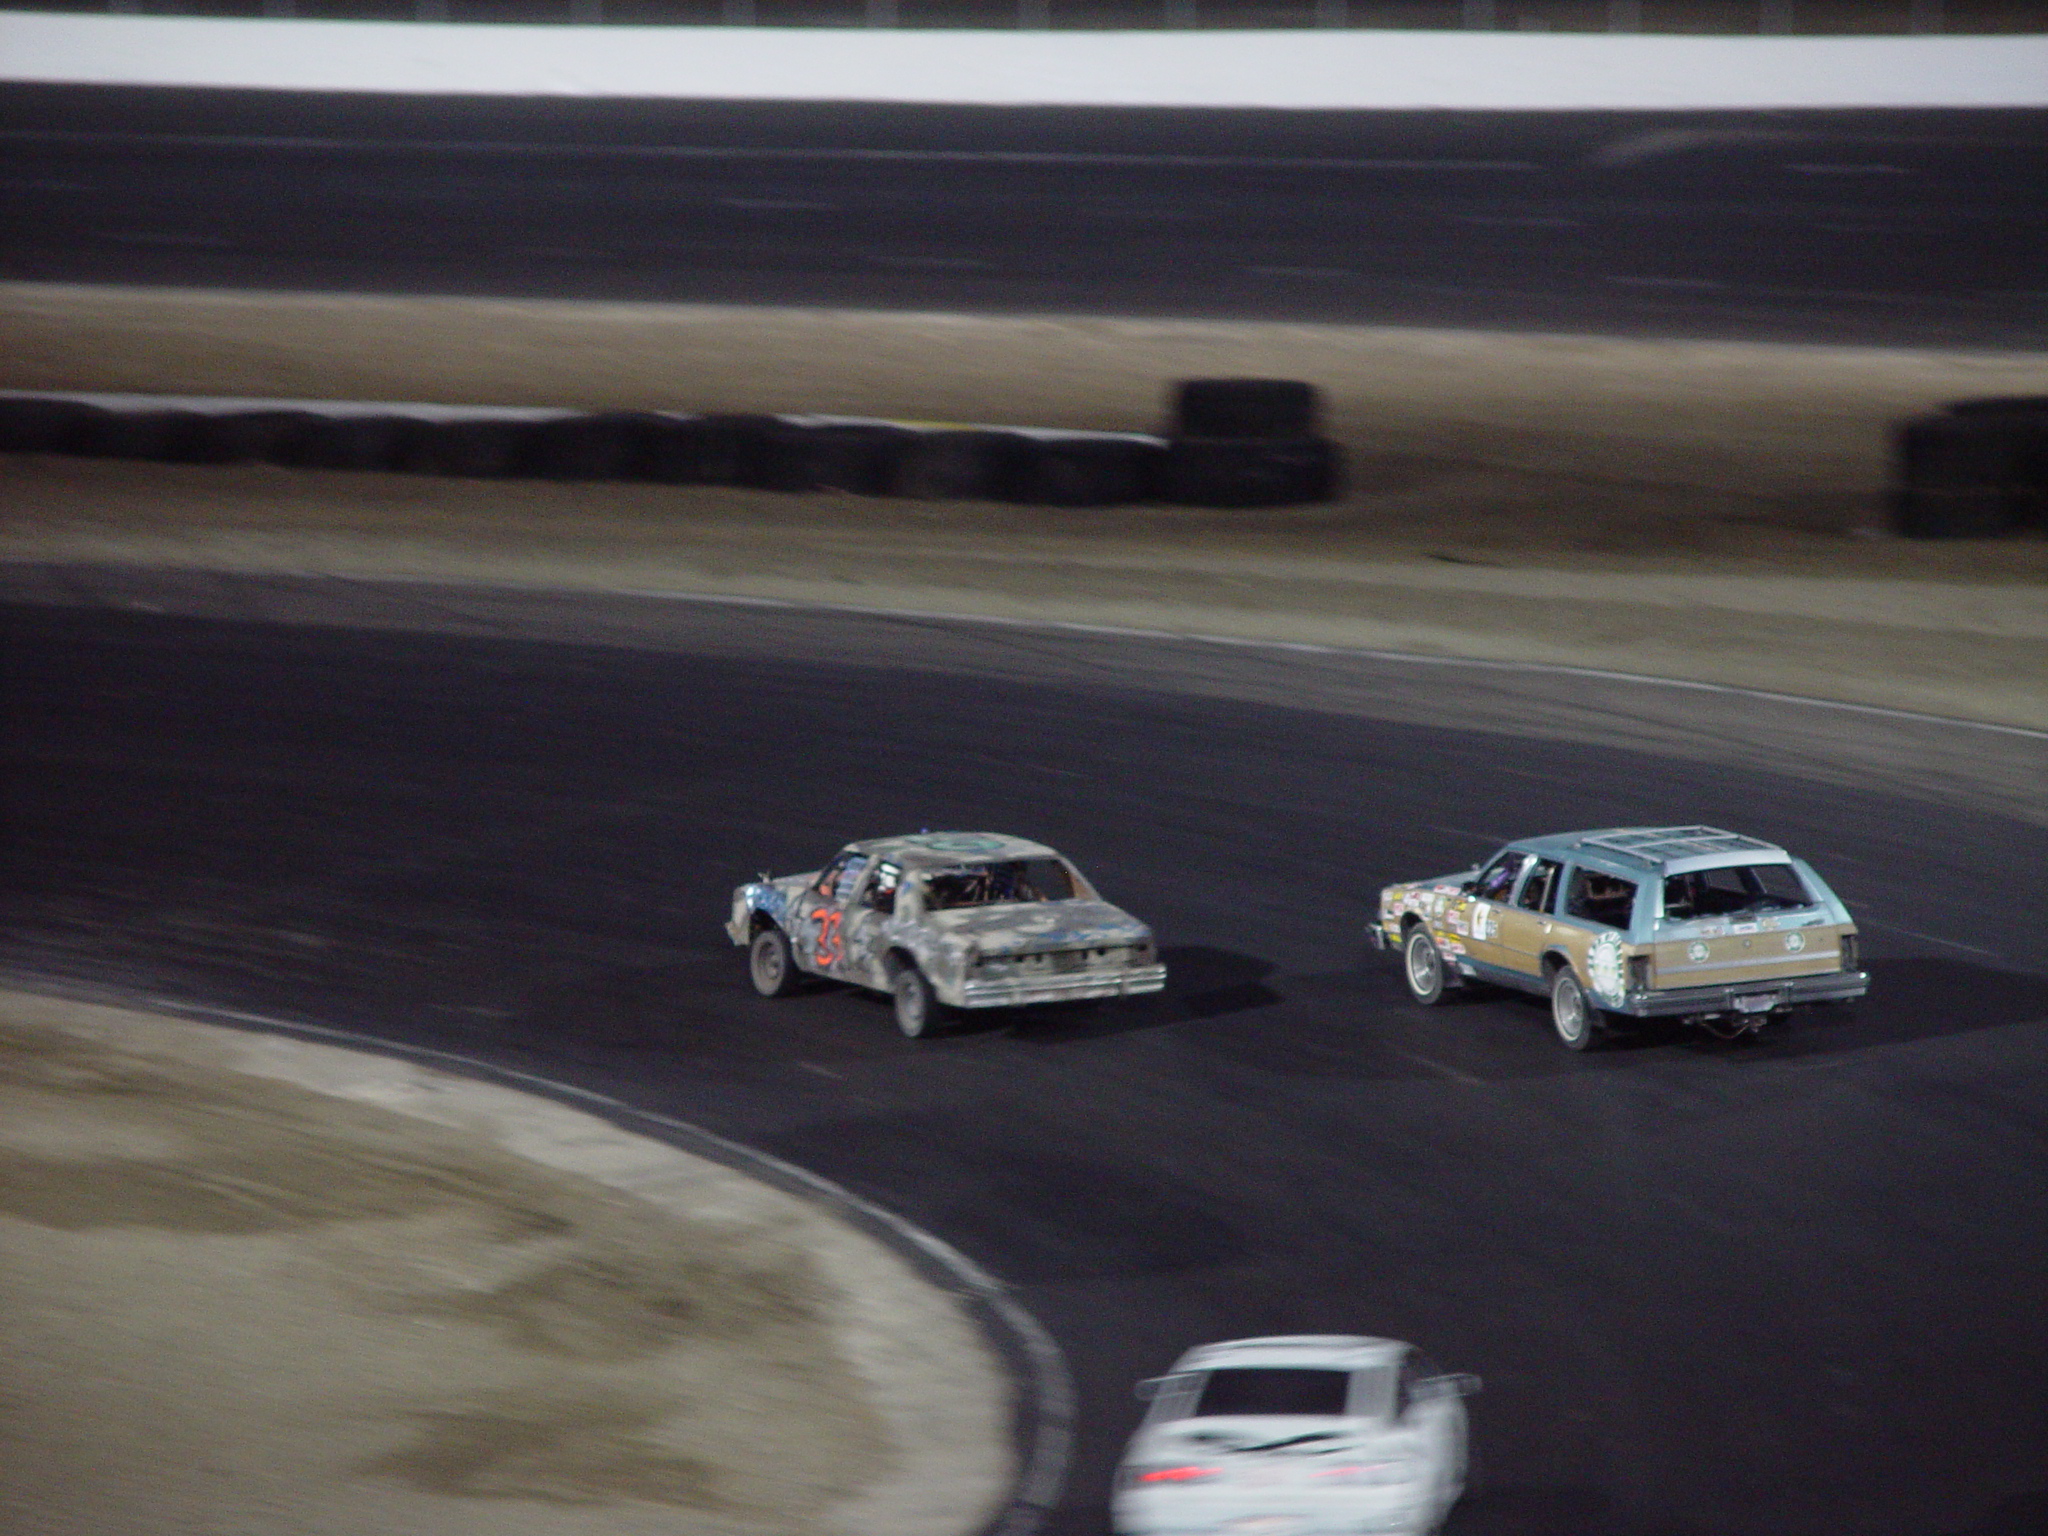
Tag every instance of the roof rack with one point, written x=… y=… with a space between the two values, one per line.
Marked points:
x=1658 y=845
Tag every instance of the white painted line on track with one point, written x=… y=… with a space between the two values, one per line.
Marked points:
x=1307 y=648
x=512 y=147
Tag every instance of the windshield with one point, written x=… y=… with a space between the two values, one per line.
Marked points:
x=1317 y=1391
x=988 y=885
x=1736 y=888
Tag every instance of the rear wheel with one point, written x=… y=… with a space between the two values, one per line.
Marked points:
x=1422 y=967
x=1570 y=1013
x=917 y=1008
x=770 y=964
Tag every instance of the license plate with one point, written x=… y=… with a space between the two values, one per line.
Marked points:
x=1757 y=1002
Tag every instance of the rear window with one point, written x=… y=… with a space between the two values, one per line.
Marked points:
x=1270 y=1389
x=988 y=885
x=1737 y=888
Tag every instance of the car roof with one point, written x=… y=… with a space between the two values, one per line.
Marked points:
x=1327 y=1351
x=948 y=850
x=1631 y=851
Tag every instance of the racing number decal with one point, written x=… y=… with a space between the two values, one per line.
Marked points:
x=829 y=951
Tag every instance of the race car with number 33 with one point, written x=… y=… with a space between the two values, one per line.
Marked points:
x=944 y=920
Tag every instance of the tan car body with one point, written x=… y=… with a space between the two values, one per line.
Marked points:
x=1647 y=920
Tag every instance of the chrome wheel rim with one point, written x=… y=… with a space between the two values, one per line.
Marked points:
x=1425 y=968
x=909 y=1004
x=1568 y=1008
x=767 y=965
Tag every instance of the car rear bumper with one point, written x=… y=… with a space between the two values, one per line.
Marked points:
x=1020 y=991
x=1752 y=997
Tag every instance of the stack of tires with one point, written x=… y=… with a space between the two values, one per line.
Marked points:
x=1236 y=443
x=1247 y=443
x=1977 y=470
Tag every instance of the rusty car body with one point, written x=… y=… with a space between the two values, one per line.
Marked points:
x=1689 y=922
x=945 y=920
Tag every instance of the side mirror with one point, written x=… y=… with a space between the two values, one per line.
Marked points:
x=763 y=878
x=1145 y=1391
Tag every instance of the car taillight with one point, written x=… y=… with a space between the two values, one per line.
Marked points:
x=1152 y=1477
x=1848 y=951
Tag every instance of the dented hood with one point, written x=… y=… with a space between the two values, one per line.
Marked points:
x=1023 y=927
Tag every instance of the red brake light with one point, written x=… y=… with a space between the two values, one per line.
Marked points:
x=1179 y=1474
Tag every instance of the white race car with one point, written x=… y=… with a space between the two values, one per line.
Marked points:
x=1313 y=1435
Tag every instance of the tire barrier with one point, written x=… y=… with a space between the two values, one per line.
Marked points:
x=613 y=445
x=1270 y=457
x=963 y=465
x=249 y=437
x=836 y=456
x=35 y=424
x=1089 y=471
x=471 y=449
x=711 y=450
x=1249 y=472
x=362 y=443
x=1226 y=408
x=1978 y=470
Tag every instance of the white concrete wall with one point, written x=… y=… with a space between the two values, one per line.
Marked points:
x=1299 y=69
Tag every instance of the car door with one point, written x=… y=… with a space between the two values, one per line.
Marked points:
x=818 y=933
x=1527 y=923
x=863 y=920
x=1476 y=916
x=1428 y=1405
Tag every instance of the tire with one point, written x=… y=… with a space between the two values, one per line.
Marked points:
x=353 y=443
x=1245 y=408
x=1964 y=476
x=32 y=424
x=1249 y=471
x=918 y=1009
x=770 y=965
x=159 y=435
x=611 y=445
x=1090 y=471
x=469 y=449
x=1575 y=1019
x=709 y=450
x=1422 y=967
x=854 y=457
x=249 y=437
x=2001 y=405
x=962 y=466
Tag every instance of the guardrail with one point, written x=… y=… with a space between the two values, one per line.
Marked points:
x=1813 y=18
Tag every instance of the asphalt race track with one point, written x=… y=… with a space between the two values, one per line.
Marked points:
x=1785 y=1287
x=1913 y=228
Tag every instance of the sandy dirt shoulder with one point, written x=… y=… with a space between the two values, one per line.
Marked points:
x=250 y=1284
x=1696 y=510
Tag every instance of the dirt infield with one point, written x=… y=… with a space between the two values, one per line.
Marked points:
x=254 y=1285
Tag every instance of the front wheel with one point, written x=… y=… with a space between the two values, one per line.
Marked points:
x=1422 y=965
x=771 y=965
x=1570 y=1014
x=917 y=1007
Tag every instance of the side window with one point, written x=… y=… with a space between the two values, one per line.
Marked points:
x=1597 y=897
x=881 y=891
x=828 y=877
x=849 y=878
x=1404 y=1383
x=1541 y=885
x=1497 y=880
